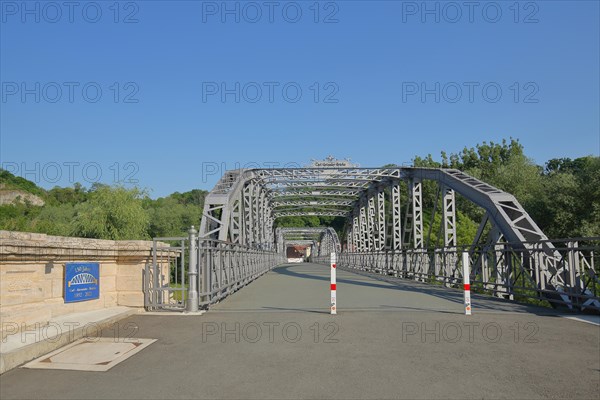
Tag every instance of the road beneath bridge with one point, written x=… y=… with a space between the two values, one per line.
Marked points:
x=390 y=339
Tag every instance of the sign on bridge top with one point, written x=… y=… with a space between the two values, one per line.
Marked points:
x=332 y=162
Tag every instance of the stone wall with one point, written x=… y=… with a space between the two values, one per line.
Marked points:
x=32 y=275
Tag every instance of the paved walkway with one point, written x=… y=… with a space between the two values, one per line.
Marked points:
x=21 y=347
x=276 y=339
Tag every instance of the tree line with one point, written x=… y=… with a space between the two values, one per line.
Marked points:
x=101 y=211
x=562 y=196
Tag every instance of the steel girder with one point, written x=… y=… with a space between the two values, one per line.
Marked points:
x=380 y=229
x=416 y=193
x=307 y=174
x=370 y=239
x=449 y=216
x=301 y=230
x=355 y=234
x=314 y=203
x=345 y=183
x=318 y=213
x=307 y=192
x=412 y=235
x=396 y=226
x=363 y=229
x=298 y=242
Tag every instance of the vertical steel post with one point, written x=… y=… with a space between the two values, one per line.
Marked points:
x=380 y=220
x=192 y=304
x=371 y=244
x=249 y=214
x=417 y=213
x=396 y=224
x=356 y=234
x=408 y=220
x=449 y=216
x=362 y=220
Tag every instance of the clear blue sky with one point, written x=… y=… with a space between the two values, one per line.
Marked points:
x=372 y=61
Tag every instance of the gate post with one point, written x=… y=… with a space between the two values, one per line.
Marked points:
x=192 y=304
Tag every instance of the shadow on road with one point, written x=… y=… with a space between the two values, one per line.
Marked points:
x=481 y=302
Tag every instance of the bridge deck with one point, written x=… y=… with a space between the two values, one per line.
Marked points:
x=305 y=287
x=365 y=353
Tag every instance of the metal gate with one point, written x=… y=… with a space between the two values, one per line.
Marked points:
x=166 y=280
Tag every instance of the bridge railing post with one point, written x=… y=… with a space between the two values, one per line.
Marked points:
x=192 y=304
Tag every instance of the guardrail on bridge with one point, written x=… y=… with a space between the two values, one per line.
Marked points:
x=214 y=269
x=500 y=270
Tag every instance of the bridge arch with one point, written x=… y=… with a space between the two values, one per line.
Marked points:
x=244 y=205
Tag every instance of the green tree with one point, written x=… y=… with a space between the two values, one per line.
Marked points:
x=112 y=213
x=170 y=218
x=54 y=220
x=554 y=210
x=173 y=215
x=589 y=196
x=570 y=203
x=466 y=229
x=519 y=176
x=18 y=216
x=72 y=195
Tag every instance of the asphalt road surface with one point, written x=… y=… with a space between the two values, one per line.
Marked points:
x=275 y=339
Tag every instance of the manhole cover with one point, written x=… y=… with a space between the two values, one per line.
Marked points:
x=91 y=354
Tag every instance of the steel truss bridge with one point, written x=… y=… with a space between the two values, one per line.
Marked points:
x=388 y=230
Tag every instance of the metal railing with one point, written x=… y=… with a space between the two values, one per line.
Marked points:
x=214 y=270
x=503 y=270
x=227 y=267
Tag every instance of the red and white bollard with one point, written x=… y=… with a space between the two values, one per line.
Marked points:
x=333 y=285
x=466 y=282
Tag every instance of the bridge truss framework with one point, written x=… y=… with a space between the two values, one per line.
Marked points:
x=385 y=230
